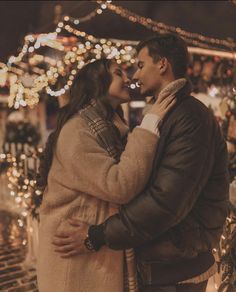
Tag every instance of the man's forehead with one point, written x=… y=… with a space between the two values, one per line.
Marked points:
x=143 y=54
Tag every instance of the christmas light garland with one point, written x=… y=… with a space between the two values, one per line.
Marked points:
x=194 y=38
x=83 y=45
x=23 y=163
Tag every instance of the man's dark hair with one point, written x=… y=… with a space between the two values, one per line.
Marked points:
x=171 y=47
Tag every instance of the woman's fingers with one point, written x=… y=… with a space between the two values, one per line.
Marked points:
x=170 y=105
x=61 y=241
x=167 y=101
x=74 y=222
x=163 y=96
x=163 y=100
x=64 y=248
x=62 y=234
x=161 y=108
x=69 y=254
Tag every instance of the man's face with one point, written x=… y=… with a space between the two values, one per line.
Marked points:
x=148 y=74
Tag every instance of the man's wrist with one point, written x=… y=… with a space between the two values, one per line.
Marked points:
x=96 y=237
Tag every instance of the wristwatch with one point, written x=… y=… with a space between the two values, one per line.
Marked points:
x=88 y=244
x=95 y=237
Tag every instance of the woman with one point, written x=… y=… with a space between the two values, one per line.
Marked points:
x=88 y=171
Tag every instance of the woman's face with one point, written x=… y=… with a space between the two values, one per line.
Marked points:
x=118 y=92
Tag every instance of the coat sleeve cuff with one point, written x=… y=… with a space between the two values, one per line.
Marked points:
x=151 y=123
x=96 y=236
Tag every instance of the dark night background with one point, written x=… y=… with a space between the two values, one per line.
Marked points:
x=18 y=18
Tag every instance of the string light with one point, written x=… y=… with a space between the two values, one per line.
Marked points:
x=22 y=184
x=75 y=58
x=193 y=38
x=17 y=95
x=72 y=58
x=48 y=39
x=73 y=61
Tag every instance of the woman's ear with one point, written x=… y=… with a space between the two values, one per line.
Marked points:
x=163 y=65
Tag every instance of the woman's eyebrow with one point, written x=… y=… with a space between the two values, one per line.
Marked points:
x=118 y=70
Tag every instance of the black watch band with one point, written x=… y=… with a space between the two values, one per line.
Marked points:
x=95 y=238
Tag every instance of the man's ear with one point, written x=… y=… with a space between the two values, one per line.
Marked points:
x=163 y=65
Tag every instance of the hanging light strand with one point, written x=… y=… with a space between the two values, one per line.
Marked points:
x=75 y=57
x=158 y=26
x=40 y=40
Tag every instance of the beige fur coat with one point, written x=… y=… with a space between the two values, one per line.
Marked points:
x=86 y=183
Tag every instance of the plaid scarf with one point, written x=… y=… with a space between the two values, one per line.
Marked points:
x=109 y=137
x=106 y=133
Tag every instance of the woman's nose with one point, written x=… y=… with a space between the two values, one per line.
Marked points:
x=126 y=80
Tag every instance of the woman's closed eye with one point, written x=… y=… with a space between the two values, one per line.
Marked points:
x=118 y=72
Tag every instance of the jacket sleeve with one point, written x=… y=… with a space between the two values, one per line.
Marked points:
x=176 y=187
x=92 y=171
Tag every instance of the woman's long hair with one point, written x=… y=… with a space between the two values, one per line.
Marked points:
x=92 y=82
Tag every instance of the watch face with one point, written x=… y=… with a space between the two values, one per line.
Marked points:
x=88 y=244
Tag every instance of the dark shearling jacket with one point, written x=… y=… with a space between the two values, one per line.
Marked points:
x=181 y=212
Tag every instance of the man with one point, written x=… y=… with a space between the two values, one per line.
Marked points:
x=177 y=220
